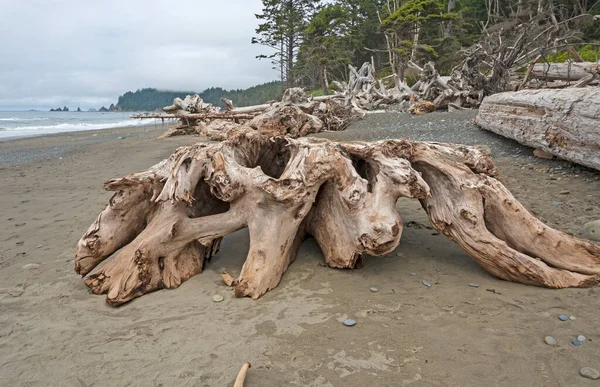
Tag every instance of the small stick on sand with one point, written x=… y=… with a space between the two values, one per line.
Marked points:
x=228 y=279
x=239 y=381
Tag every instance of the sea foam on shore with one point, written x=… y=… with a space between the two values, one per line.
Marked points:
x=32 y=124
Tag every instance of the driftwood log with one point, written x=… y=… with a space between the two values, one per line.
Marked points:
x=163 y=225
x=570 y=71
x=561 y=122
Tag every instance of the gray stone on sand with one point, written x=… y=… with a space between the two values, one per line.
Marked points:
x=349 y=322
x=575 y=342
x=590 y=231
x=16 y=292
x=413 y=274
x=549 y=340
x=426 y=283
x=31 y=266
x=590 y=373
x=374 y=289
x=472 y=285
x=581 y=338
x=563 y=317
x=218 y=298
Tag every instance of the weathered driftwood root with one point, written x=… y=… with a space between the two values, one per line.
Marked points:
x=164 y=224
x=561 y=122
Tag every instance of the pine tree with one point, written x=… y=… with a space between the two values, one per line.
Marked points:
x=284 y=22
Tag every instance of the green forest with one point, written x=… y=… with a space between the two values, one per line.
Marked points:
x=150 y=99
x=311 y=42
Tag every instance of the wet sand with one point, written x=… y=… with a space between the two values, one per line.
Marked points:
x=54 y=332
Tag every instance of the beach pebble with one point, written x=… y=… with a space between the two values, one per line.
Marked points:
x=542 y=154
x=413 y=274
x=426 y=284
x=563 y=317
x=374 y=289
x=399 y=254
x=572 y=318
x=349 y=322
x=549 y=340
x=39 y=246
x=31 y=266
x=581 y=338
x=438 y=270
x=20 y=243
x=575 y=342
x=218 y=298
x=565 y=192
x=590 y=373
x=590 y=231
x=556 y=203
x=16 y=292
x=473 y=285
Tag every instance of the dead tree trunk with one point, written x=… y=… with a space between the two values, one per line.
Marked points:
x=562 y=122
x=163 y=225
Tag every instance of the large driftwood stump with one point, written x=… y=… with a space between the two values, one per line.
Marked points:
x=163 y=225
x=561 y=122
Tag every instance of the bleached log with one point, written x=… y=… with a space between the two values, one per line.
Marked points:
x=163 y=225
x=561 y=122
x=563 y=71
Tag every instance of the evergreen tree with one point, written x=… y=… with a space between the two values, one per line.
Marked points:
x=282 y=29
x=327 y=40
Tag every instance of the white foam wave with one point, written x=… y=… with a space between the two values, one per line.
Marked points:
x=77 y=127
x=24 y=119
x=28 y=131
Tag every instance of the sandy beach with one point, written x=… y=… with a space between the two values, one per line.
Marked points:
x=54 y=332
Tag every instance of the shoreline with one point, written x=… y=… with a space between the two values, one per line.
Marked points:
x=54 y=331
x=24 y=150
x=28 y=136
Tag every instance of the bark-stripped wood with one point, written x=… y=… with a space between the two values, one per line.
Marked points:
x=561 y=122
x=570 y=71
x=163 y=225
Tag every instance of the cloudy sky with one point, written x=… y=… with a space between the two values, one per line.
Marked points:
x=86 y=53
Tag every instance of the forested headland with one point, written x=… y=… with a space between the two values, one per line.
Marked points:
x=150 y=99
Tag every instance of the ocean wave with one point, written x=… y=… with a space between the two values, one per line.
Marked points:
x=78 y=127
x=24 y=119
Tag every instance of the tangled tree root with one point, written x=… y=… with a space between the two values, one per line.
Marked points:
x=163 y=225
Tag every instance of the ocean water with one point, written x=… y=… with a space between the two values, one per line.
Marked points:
x=37 y=123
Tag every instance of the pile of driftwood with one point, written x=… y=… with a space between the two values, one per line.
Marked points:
x=297 y=115
x=431 y=92
x=163 y=225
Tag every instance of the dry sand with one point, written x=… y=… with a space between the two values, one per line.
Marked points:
x=53 y=332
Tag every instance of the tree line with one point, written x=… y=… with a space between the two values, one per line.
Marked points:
x=150 y=99
x=311 y=42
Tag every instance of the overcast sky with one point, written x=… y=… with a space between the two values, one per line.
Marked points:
x=86 y=53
